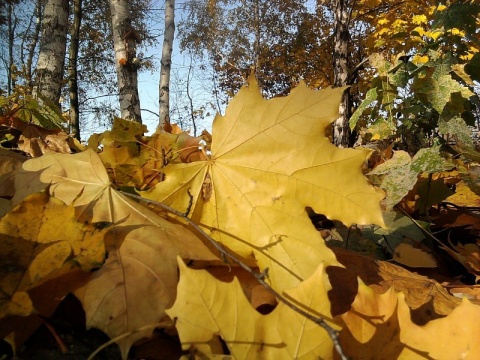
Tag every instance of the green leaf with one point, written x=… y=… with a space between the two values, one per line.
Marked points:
x=378 y=62
x=460 y=15
x=458 y=129
x=398 y=228
x=370 y=97
x=398 y=177
x=428 y=160
x=400 y=173
x=439 y=89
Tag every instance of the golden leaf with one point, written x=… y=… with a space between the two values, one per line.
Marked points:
x=372 y=328
x=380 y=327
x=269 y=160
x=41 y=240
x=452 y=337
x=206 y=307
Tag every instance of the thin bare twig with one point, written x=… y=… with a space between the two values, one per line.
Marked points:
x=122 y=336
x=260 y=277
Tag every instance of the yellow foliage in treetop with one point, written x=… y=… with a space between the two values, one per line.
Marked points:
x=420 y=59
x=419 y=19
x=437 y=8
x=383 y=21
x=394 y=24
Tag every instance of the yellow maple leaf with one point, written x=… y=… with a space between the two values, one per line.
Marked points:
x=371 y=326
x=452 y=337
x=379 y=326
x=270 y=159
x=464 y=196
x=435 y=34
x=383 y=21
x=206 y=307
x=456 y=31
x=81 y=180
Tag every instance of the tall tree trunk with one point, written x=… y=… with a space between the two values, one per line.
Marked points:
x=125 y=39
x=257 y=30
x=166 y=63
x=33 y=43
x=12 y=24
x=341 y=129
x=72 y=68
x=48 y=80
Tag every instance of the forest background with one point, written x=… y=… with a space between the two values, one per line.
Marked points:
x=332 y=211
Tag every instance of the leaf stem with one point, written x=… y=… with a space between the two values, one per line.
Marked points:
x=260 y=277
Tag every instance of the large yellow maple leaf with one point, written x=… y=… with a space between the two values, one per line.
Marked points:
x=206 y=307
x=269 y=160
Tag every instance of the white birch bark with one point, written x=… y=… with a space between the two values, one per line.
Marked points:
x=49 y=72
x=125 y=41
x=166 y=62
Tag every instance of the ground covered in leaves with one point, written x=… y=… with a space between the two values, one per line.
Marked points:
x=262 y=240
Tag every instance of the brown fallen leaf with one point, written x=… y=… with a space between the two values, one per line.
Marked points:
x=471 y=292
x=37 y=141
x=414 y=257
x=45 y=299
x=468 y=255
x=137 y=282
x=10 y=162
x=134 y=286
x=427 y=297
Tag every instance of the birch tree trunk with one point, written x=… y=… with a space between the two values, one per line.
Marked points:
x=53 y=43
x=341 y=129
x=72 y=68
x=32 y=45
x=125 y=40
x=166 y=63
x=12 y=24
